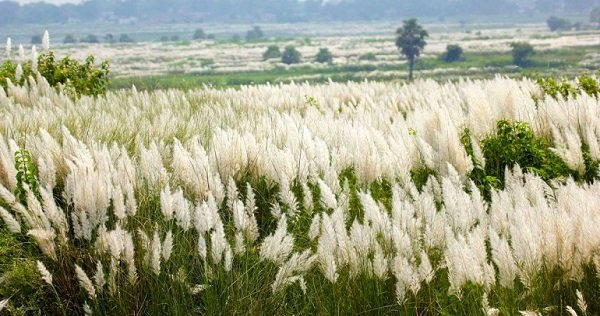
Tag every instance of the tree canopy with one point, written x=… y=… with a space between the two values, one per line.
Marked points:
x=410 y=40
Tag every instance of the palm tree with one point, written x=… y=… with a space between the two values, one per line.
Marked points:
x=410 y=40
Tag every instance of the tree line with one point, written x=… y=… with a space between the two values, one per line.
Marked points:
x=272 y=10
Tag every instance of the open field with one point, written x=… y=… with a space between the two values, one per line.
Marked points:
x=301 y=199
x=226 y=62
x=567 y=62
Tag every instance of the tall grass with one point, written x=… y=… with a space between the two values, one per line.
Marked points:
x=255 y=201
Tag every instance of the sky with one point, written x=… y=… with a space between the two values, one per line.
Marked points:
x=49 y=1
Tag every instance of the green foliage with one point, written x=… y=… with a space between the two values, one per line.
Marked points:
x=36 y=39
x=521 y=52
x=453 y=53
x=290 y=55
x=589 y=85
x=199 y=35
x=410 y=40
x=484 y=182
x=515 y=143
x=420 y=175
x=84 y=79
x=272 y=52
x=324 y=56
x=80 y=79
x=26 y=175
x=558 y=24
x=368 y=56
x=555 y=88
x=90 y=38
x=109 y=38
x=69 y=39
x=124 y=38
x=595 y=15
x=254 y=34
x=25 y=290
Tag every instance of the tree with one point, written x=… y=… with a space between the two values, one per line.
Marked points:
x=91 y=38
x=453 y=53
x=521 y=51
x=199 y=35
x=595 y=15
x=124 y=38
x=254 y=34
x=291 y=55
x=272 y=52
x=558 y=24
x=410 y=40
x=109 y=38
x=324 y=56
x=36 y=39
x=69 y=39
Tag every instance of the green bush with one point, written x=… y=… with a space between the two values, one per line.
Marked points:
x=291 y=56
x=36 y=39
x=199 y=35
x=69 y=39
x=521 y=52
x=558 y=24
x=272 y=52
x=254 y=34
x=91 y=38
x=77 y=78
x=368 y=56
x=553 y=87
x=124 y=38
x=515 y=143
x=324 y=56
x=452 y=54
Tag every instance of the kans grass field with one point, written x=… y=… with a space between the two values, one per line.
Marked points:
x=455 y=197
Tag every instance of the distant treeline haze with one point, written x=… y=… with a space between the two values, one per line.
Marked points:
x=275 y=10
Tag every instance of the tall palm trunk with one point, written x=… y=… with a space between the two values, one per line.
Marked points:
x=411 y=66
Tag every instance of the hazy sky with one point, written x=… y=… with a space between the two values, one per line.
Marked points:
x=49 y=1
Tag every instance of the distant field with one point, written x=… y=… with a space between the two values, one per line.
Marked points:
x=150 y=63
x=568 y=61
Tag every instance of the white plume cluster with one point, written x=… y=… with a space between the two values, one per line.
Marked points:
x=183 y=166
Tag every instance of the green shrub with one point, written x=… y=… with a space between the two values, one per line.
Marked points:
x=291 y=56
x=254 y=34
x=124 y=38
x=272 y=52
x=553 y=87
x=515 y=143
x=36 y=39
x=69 y=39
x=199 y=35
x=521 y=52
x=78 y=78
x=368 y=56
x=558 y=24
x=452 y=54
x=91 y=38
x=324 y=56
x=26 y=175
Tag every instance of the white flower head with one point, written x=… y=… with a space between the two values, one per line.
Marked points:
x=8 y=47
x=46 y=41
x=19 y=72
x=34 y=57
x=45 y=274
